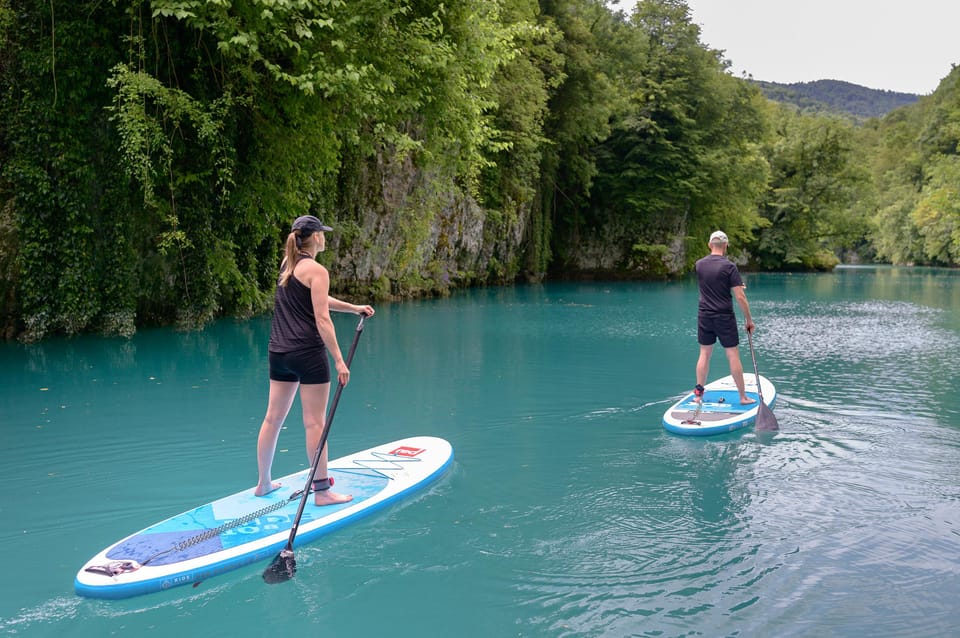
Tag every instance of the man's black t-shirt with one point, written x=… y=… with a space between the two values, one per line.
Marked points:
x=716 y=275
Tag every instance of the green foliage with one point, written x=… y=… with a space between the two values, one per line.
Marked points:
x=228 y=120
x=915 y=154
x=177 y=149
x=521 y=90
x=652 y=259
x=813 y=187
x=57 y=157
x=7 y=21
x=686 y=156
x=151 y=119
x=590 y=83
x=937 y=213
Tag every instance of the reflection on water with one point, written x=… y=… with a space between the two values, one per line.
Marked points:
x=569 y=510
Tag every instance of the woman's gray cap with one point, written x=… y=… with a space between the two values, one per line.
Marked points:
x=308 y=224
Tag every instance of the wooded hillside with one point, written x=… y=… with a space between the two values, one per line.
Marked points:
x=837 y=98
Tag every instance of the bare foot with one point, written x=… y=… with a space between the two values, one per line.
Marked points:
x=261 y=491
x=326 y=497
x=747 y=400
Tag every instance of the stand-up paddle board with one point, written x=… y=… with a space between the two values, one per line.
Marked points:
x=242 y=529
x=721 y=410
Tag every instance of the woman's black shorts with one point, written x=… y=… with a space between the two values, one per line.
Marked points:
x=308 y=366
x=713 y=327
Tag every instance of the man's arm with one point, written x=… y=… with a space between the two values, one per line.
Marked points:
x=740 y=294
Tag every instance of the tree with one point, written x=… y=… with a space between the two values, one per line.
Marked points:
x=598 y=54
x=812 y=190
x=685 y=157
x=914 y=163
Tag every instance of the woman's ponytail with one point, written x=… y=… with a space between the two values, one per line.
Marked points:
x=289 y=258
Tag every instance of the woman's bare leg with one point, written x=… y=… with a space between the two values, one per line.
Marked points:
x=282 y=394
x=314 y=397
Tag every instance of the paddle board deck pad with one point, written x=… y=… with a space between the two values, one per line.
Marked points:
x=721 y=410
x=242 y=529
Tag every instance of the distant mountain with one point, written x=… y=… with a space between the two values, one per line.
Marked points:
x=839 y=98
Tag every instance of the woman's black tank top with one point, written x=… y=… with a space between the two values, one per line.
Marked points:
x=294 y=325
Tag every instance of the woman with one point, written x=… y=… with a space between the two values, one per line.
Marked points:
x=301 y=334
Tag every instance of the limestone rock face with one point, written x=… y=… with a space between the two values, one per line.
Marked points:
x=421 y=234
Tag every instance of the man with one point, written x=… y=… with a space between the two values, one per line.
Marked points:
x=717 y=276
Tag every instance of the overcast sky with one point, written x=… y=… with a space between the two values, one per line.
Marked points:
x=897 y=45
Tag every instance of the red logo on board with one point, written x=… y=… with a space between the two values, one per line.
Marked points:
x=404 y=450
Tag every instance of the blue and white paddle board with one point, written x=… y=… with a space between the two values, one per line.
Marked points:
x=242 y=529
x=721 y=410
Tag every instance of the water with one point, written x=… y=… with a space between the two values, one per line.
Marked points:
x=569 y=510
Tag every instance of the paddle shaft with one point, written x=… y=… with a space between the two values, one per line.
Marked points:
x=753 y=358
x=323 y=439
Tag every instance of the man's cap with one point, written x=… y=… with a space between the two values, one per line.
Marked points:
x=718 y=237
x=308 y=224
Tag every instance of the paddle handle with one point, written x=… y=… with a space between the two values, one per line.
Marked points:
x=323 y=438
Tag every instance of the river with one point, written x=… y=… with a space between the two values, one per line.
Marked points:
x=569 y=510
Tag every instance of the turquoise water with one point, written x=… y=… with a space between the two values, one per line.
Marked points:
x=569 y=511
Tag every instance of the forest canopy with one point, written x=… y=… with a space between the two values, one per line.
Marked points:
x=153 y=154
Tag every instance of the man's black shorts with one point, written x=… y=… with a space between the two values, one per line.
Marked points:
x=713 y=327
x=308 y=366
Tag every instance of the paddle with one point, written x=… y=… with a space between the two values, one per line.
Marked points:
x=284 y=566
x=766 y=421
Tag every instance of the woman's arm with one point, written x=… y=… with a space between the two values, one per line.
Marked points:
x=337 y=305
x=317 y=277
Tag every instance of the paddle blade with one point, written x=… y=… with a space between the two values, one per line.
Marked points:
x=282 y=569
x=766 y=420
